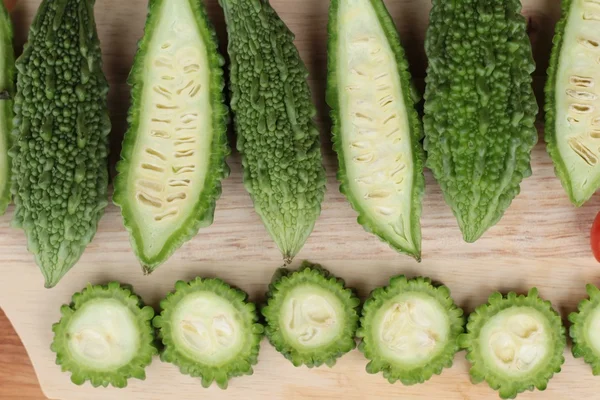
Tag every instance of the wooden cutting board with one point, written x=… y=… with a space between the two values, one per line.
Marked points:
x=542 y=240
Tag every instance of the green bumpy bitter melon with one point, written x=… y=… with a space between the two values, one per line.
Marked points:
x=173 y=156
x=60 y=175
x=585 y=327
x=311 y=317
x=209 y=330
x=515 y=343
x=105 y=336
x=376 y=128
x=7 y=89
x=479 y=107
x=572 y=103
x=273 y=119
x=409 y=330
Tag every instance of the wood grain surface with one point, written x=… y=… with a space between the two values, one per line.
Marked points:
x=542 y=240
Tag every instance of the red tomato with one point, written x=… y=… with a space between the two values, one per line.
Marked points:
x=10 y=4
x=595 y=237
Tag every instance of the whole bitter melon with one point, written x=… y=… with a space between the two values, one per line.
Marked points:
x=7 y=91
x=60 y=174
x=273 y=118
x=173 y=156
x=479 y=107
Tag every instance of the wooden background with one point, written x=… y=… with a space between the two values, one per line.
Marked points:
x=542 y=240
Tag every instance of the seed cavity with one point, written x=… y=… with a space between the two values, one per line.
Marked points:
x=581 y=81
x=581 y=108
x=581 y=95
x=583 y=151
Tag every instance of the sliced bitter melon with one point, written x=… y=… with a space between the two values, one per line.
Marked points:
x=104 y=336
x=173 y=156
x=311 y=316
x=515 y=343
x=7 y=91
x=573 y=101
x=377 y=130
x=209 y=330
x=585 y=329
x=409 y=330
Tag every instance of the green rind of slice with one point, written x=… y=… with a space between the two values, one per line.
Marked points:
x=7 y=91
x=234 y=335
x=179 y=179
x=402 y=232
x=506 y=381
x=387 y=353
x=585 y=327
x=81 y=352
x=311 y=317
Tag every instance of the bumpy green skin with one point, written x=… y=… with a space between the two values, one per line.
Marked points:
x=273 y=119
x=410 y=98
x=240 y=365
x=479 y=107
x=117 y=378
x=310 y=274
x=60 y=175
x=7 y=91
x=510 y=386
x=579 y=319
x=394 y=372
x=204 y=210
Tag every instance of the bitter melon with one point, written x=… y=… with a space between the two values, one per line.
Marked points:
x=585 y=327
x=311 y=316
x=173 y=156
x=7 y=89
x=61 y=127
x=515 y=343
x=273 y=119
x=376 y=129
x=479 y=107
x=104 y=336
x=572 y=103
x=409 y=330
x=209 y=330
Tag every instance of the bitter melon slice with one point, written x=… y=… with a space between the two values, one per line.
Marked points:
x=173 y=156
x=515 y=343
x=209 y=330
x=7 y=91
x=104 y=336
x=376 y=128
x=585 y=329
x=311 y=316
x=409 y=330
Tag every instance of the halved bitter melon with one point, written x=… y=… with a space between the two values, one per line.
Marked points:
x=572 y=99
x=409 y=330
x=7 y=91
x=515 y=343
x=209 y=330
x=173 y=156
x=104 y=336
x=311 y=316
x=376 y=129
x=585 y=329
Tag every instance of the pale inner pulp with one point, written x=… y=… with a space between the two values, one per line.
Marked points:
x=311 y=317
x=173 y=142
x=411 y=328
x=375 y=126
x=103 y=335
x=208 y=326
x=577 y=101
x=593 y=330
x=515 y=341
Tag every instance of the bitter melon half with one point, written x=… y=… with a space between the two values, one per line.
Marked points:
x=7 y=89
x=273 y=119
x=409 y=330
x=209 y=330
x=479 y=107
x=311 y=316
x=515 y=343
x=60 y=175
x=376 y=128
x=585 y=327
x=173 y=156
x=104 y=336
x=572 y=100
